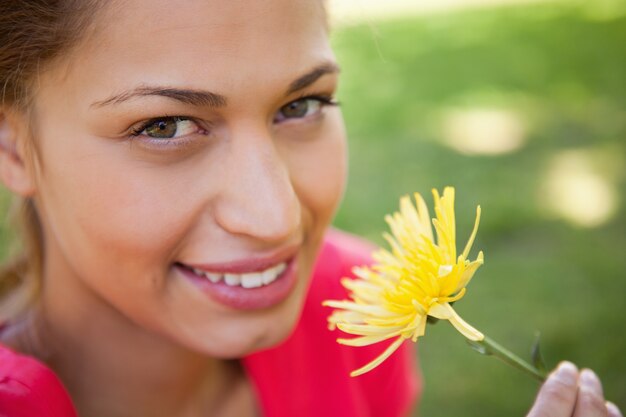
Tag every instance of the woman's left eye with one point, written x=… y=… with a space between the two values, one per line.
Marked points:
x=167 y=128
x=303 y=107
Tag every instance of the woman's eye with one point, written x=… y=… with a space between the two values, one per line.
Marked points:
x=301 y=108
x=167 y=128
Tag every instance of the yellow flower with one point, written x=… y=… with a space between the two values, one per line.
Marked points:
x=417 y=278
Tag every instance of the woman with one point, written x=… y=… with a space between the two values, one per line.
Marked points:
x=179 y=164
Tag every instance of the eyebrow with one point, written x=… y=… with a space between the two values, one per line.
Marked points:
x=207 y=98
x=187 y=96
x=312 y=76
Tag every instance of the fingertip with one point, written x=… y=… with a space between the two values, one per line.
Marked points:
x=589 y=381
x=613 y=410
x=557 y=396
x=566 y=373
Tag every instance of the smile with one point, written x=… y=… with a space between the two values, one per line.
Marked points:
x=246 y=280
x=246 y=284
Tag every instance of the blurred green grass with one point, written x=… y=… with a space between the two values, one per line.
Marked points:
x=5 y=231
x=562 y=68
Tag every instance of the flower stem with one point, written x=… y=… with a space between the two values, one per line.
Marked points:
x=488 y=346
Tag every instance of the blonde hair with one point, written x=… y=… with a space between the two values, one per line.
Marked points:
x=33 y=33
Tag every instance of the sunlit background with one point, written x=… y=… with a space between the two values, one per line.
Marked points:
x=521 y=106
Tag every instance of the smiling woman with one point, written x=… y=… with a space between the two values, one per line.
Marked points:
x=177 y=205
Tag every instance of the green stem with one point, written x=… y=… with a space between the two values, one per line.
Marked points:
x=489 y=347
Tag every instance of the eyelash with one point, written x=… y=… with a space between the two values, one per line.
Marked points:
x=325 y=99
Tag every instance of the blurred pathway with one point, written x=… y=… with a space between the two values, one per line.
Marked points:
x=347 y=12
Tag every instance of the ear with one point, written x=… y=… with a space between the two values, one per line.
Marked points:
x=14 y=172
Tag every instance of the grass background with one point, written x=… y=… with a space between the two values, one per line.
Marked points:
x=561 y=68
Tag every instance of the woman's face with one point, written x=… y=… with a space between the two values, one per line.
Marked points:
x=196 y=135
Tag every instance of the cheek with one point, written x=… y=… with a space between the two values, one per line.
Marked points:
x=318 y=169
x=131 y=217
x=108 y=211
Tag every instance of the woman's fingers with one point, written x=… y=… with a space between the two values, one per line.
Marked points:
x=568 y=393
x=613 y=410
x=590 y=401
x=557 y=396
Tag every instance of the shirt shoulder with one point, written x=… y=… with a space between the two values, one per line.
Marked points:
x=28 y=388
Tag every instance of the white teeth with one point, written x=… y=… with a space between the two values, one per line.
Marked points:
x=232 y=279
x=247 y=280
x=251 y=280
x=268 y=276
x=214 y=278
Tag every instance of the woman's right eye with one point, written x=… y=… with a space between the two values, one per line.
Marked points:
x=167 y=128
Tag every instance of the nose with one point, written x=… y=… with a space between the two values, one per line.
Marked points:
x=257 y=198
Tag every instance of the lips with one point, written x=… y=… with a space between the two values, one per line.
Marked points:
x=246 y=285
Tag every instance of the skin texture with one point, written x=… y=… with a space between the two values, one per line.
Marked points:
x=116 y=321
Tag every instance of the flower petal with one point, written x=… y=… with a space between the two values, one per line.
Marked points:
x=423 y=215
x=469 y=272
x=367 y=340
x=421 y=329
x=373 y=364
x=368 y=330
x=440 y=311
x=373 y=310
x=470 y=241
x=446 y=312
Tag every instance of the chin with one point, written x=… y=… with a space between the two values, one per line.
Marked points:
x=274 y=333
x=246 y=335
x=243 y=345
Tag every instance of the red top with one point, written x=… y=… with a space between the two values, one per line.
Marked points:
x=306 y=376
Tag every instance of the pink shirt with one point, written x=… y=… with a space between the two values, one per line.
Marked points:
x=307 y=375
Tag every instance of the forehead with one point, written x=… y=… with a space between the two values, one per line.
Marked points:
x=212 y=44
